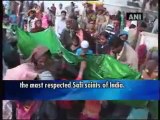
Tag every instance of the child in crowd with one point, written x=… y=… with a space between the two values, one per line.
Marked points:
x=75 y=44
x=103 y=47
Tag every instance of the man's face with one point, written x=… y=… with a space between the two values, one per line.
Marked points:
x=39 y=24
x=63 y=15
x=115 y=23
x=68 y=23
x=123 y=37
x=75 y=43
x=32 y=15
x=102 y=40
x=43 y=61
x=89 y=8
x=116 y=50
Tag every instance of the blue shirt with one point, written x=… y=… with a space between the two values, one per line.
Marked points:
x=79 y=51
x=13 y=18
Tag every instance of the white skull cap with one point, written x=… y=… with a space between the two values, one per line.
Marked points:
x=134 y=23
x=84 y=44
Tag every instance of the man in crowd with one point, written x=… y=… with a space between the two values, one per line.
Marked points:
x=73 y=34
x=61 y=23
x=123 y=52
x=132 y=34
x=155 y=26
x=70 y=9
x=52 y=13
x=66 y=35
x=59 y=9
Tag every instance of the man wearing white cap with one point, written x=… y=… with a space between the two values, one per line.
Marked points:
x=83 y=51
x=132 y=34
x=134 y=23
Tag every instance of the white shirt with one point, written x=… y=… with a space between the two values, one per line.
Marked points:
x=155 y=27
x=58 y=11
x=31 y=24
x=61 y=24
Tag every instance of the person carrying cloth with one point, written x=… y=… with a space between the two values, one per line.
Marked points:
x=36 y=67
x=83 y=51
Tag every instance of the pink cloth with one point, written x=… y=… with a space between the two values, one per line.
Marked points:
x=45 y=19
x=22 y=72
x=24 y=114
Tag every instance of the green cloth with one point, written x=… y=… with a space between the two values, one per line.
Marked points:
x=45 y=38
x=106 y=67
x=98 y=67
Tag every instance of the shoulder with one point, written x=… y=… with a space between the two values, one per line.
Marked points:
x=79 y=50
x=130 y=52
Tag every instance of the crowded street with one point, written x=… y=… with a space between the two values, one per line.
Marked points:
x=78 y=40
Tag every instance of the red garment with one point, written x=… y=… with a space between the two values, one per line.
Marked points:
x=142 y=54
x=65 y=104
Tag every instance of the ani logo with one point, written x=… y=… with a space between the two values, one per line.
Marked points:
x=134 y=16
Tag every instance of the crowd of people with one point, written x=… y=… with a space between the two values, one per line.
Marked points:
x=89 y=31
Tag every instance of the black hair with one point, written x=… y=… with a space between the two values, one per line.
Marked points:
x=105 y=34
x=76 y=38
x=73 y=16
x=143 y=24
x=132 y=26
x=115 y=41
x=72 y=3
x=63 y=12
x=25 y=21
x=33 y=60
